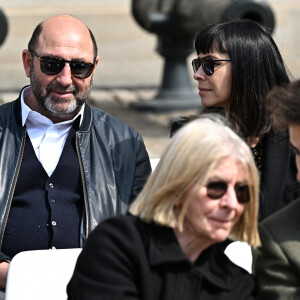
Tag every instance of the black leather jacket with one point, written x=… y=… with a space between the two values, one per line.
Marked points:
x=113 y=161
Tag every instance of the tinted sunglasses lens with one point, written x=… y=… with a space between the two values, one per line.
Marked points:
x=208 y=66
x=51 y=66
x=81 y=69
x=216 y=190
x=242 y=194
x=196 y=63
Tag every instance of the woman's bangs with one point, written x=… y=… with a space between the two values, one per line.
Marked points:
x=209 y=40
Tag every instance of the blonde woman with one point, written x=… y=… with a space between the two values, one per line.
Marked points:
x=204 y=189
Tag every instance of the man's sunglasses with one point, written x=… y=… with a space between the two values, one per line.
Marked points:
x=208 y=64
x=217 y=189
x=53 y=65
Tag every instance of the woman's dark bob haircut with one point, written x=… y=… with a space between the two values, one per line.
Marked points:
x=257 y=66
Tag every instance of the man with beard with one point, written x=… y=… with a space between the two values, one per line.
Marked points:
x=64 y=166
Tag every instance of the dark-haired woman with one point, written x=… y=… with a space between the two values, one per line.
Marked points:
x=238 y=63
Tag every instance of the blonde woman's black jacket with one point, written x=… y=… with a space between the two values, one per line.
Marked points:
x=125 y=258
x=113 y=161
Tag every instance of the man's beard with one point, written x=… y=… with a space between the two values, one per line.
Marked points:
x=49 y=108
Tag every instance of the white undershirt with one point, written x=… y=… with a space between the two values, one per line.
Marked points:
x=48 y=139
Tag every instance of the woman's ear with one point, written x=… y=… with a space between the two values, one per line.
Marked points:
x=182 y=196
x=178 y=201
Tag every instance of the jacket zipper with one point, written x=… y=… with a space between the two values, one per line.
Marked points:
x=86 y=208
x=13 y=188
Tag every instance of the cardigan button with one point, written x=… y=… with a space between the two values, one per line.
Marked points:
x=53 y=201
x=51 y=185
x=53 y=223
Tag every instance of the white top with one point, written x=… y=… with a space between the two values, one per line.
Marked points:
x=48 y=139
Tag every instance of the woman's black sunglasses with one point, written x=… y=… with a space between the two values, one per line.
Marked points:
x=217 y=189
x=53 y=65
x=208 y=64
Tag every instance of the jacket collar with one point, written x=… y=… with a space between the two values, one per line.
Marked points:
x=87 y=119
x=17 y=108
x=213 y=264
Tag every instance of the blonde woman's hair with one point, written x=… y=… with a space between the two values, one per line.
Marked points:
x=192 y=153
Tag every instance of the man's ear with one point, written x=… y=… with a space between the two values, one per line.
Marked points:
x=96 y=63
x=27 y=61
